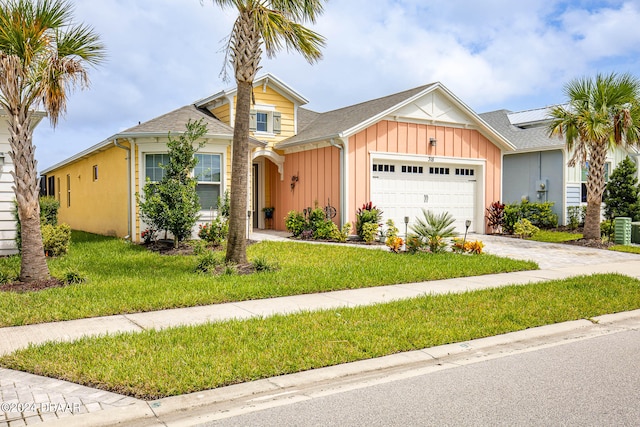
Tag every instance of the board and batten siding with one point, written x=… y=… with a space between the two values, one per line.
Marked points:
x=318 y=183
x=412 y=138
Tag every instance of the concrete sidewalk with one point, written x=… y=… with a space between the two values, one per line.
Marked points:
x=50 y=399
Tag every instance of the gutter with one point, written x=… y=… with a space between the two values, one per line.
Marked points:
x=128 y=158
x=343 y=195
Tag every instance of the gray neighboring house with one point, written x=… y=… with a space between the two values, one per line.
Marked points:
x=538 y=169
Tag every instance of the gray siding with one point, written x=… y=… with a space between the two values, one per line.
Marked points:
x=523 y=171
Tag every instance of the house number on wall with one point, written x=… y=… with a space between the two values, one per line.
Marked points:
x=426 y=198
x=431 y=159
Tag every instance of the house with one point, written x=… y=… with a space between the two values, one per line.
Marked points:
x=421 y=148
x=538 y=169
x=7 y=196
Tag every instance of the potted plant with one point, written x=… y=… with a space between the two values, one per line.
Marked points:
x=268 y=212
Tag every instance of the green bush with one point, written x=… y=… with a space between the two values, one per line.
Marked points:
x=56 y=239
x=295 y=223
x=434 y=229
x=215 y=232
x=341 y=235
x=575 y=216
x=369 y=231
x=207 y=262
x=72 y=277
x=367 y=214
x=49 y=207
x=525 y=229
x=607 y=228
x=261 y=264
x=539 y=214
x=622 y=195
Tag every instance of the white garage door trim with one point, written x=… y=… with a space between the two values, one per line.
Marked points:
x=432 y=161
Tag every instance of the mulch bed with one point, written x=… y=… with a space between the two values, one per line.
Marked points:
x=39 y=285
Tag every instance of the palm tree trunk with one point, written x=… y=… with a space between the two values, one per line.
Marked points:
x=33 y=265
x=237 y=244
x=595 y=189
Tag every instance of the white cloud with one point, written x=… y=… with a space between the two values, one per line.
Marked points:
x=492 y=54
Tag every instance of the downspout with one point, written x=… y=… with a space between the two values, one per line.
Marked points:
x=128 y=158
x=343 y=201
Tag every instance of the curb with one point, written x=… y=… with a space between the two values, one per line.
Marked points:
x=177 y=408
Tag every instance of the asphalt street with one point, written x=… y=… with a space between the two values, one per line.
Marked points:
x=592 y=382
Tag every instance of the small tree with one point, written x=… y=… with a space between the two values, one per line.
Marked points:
x=622 y=193
x=173 y=204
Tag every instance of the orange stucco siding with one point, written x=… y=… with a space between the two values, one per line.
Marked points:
x=318 y=182
x=410 y=138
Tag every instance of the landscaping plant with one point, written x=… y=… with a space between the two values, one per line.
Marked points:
x=495 y=216
x=172 y=204
x=622 y=195
x=434 y=230
x=525 y=229
x=367 y=214
x=392 y=240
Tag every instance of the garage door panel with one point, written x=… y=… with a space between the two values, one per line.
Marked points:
x=406 y=194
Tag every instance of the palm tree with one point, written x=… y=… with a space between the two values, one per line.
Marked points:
x=272 y=24
x=600 y=114
x=42 y=55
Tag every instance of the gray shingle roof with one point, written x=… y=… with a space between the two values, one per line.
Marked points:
x=332 y=123
x=524 y=139
x=176 y=120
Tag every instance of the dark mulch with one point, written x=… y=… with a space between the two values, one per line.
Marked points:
x=165 y=247
x=38 y=285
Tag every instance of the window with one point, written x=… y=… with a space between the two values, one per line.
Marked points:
x=267 y=121
x=412 y=169
x=384 y=168
x=153 y=171
x=438 y=171
x=51 y=186
x=208 y=174
x=261 y=122
x=464 y=172
x=95 y=172
x=68 y=191
x=583 y=185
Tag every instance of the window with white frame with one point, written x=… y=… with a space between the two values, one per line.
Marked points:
x=153 y=166
x=208 y=172
x=265 y=121
x=583 y=185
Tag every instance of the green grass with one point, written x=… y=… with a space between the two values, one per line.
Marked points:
x=126 y=278
x=625 y=248
x=550 y=236
x=154 y=364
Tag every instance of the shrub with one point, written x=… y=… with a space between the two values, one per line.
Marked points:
x=215 y=232
x=207 y=262
x=575 y=216
x=295 y=223
x=525 y=229
x=434 y=229
x=49 y=210
x=415 y=244
x=468 y=246
x=621 y=197
x=72 y=277
x=495 y=216
x=607 y=228
x=539 y=214
x=342 y=235
x=148 y=236
x=367 y=214
x=392 y=240
x=263 y=265
x=56 y=239
x=369 y=231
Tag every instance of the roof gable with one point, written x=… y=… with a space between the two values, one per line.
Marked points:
x=430 y=104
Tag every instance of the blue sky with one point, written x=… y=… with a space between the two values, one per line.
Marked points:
x=164 y=54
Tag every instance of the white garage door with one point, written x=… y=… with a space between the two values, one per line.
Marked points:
x=402 y=189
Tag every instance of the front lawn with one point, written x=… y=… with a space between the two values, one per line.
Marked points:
x=154 y=364
x=126 y=278
x=625 y=248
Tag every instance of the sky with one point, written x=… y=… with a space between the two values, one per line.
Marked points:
x=493 y=54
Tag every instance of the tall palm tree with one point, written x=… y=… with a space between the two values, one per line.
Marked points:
x=272 y=24
x=42 y=55
x=600 y=114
